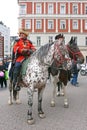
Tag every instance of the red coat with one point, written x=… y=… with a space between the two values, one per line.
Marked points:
x=19 y=46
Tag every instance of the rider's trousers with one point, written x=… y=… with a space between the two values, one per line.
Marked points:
x=16 y=72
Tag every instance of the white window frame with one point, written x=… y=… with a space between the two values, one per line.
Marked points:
x=86 y=9
x=28 y=24
x=62 y=24
x=38 y=24
x=22 y=9
x=75 y=24
x=86 y=41
x=85 y=24
x=62 y=9
x=50 y=24
x=38 y=8
x=50 y=8
x=50 y=39
x=38 y=41
x=75 y=8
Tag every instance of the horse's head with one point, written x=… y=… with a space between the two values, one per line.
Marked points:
x=61 y=55
x=74 y=51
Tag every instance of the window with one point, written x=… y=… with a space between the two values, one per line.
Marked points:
x=28 y=24
x=22 y=9
x=75 y=24
x=50 y=39
x=50 y=24
x=75 y=9
x=62 y=9
x=62 y=24
x=85 y=24
x=50 y=9
x=38 y=24
x=85 y=9
x=86 y=41
x=38 y=41
x=38 y=9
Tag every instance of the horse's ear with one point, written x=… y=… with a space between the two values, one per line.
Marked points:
x=71 y=40
x=74 y=39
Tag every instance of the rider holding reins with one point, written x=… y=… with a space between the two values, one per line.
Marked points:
x=22 y=49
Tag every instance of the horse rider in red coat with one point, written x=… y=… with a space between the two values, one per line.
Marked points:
x=22 y=49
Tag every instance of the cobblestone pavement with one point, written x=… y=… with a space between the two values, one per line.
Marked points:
x=14 y=117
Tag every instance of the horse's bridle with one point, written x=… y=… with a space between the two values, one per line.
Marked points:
x=73 y=53
x=62 y=58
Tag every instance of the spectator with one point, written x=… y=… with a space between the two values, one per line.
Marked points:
x=2 y=74
x=74 y=71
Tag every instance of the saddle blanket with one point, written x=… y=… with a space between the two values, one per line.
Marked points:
x=24 y=67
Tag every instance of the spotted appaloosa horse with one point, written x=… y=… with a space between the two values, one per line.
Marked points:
x=59 y=76
x=37 y=73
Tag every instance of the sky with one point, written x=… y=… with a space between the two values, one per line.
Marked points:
x=9 y=15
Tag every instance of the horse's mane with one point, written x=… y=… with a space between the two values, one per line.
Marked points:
x=42 y=51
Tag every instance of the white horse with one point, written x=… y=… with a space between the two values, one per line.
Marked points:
x=36 y=74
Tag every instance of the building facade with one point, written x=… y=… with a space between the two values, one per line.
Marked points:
x=45 y=19
x=5 y=32
x=1 y=47
x=12 y=41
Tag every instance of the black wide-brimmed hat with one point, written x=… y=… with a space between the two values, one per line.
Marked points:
x=59 y=36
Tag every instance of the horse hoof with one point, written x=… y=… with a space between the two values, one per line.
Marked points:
x=31 y=122
x=10 y=103
x=58 y=94
x=62 y=94
x=66 y=105
x=18 y=102
x=42 y=116
x=52 y=104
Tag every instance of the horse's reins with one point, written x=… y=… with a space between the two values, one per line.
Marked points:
x=62 y=58
x=73 y=53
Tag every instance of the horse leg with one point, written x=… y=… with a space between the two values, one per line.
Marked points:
x=59 y=86
x=54 y=85
x=17 y=98
x=66 y=104
x=40 y=111
x=62 y=89
x=30 y=119
x=10 y=90
x=16 y=95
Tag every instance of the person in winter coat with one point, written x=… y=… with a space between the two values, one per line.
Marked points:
x=22 y=49
x=74 y=71
x=2 y=75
